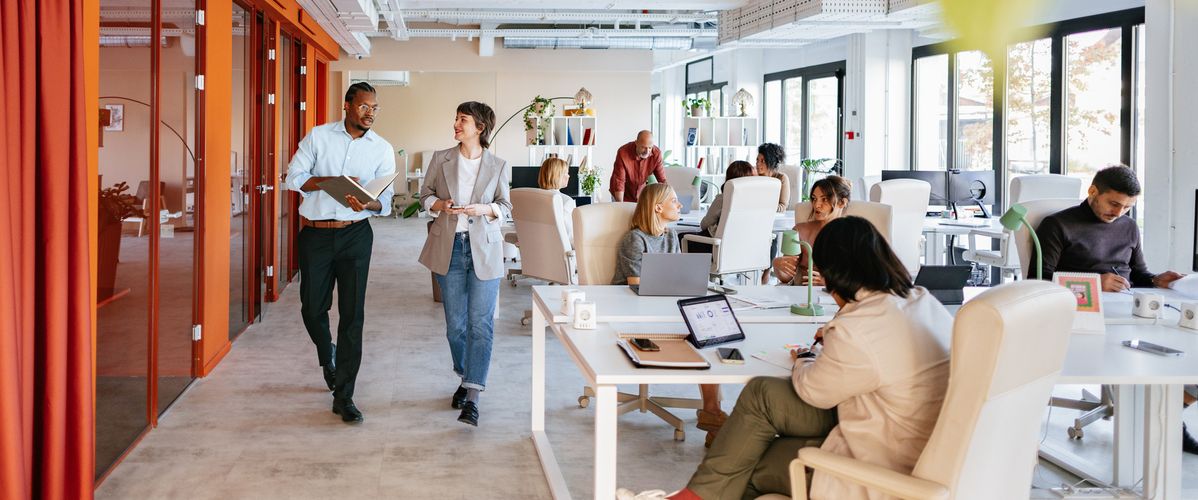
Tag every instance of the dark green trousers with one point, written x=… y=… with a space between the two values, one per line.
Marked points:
x=753 y=450
x=340 y=257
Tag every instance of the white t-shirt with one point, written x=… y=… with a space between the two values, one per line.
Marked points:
x=467 y=175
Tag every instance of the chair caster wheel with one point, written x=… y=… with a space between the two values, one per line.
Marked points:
x=584 y=401
x=679 y=435
x=1075 y=433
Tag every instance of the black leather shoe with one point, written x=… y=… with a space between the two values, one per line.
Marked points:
x=469 y=413
x=1188 y=443
x=347 y=410
x=459 y=397
x=330 y=375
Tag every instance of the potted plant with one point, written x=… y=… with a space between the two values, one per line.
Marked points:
x=536 y=118
x=589 y=179
x=812 y=167
x=667 y=161
x=115 y=205
x=698 y=106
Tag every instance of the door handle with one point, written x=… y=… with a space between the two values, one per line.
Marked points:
x=264 y=188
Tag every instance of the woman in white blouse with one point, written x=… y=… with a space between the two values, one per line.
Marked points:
x=873 y=393
x=554 y=176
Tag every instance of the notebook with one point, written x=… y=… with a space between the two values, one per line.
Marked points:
x=338 y=187
x=676 y=351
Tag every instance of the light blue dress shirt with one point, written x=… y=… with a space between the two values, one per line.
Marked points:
x=329 y=151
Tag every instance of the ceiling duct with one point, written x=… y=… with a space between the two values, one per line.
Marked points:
x=822 y=19
x=337 y=22
x=641 y=43
x=382 y=78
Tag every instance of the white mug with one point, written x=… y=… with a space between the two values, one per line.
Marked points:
x=1147 y=305
x=569 y=297
x=585 y=316
x=1189 y=315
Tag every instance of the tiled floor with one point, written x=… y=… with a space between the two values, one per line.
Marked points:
x=260 y=427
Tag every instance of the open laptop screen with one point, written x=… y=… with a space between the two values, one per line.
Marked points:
x=710 y=320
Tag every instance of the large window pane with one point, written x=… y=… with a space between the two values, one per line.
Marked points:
x=773 y=111
x=1138 y=144
x=239 y=169
x=793 y=116
x=975 y=112
x=655 y=117
x=823 y=134
x=1092 y=87
x=1029 y=83
x=931 y=113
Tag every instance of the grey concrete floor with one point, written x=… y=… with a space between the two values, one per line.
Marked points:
x=260 y=426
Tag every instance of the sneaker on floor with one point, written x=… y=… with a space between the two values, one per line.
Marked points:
x=1188 y=443
x=626 y=494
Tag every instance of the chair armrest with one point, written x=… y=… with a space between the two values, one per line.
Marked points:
x=715 y=242
x=871 y=476
x=987 y=233
x=572 y=267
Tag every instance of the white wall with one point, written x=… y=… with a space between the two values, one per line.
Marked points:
x=446 y=73
x=1171 y=168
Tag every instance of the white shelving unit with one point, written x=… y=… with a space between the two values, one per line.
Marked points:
x=564 y=136
x=719 y=140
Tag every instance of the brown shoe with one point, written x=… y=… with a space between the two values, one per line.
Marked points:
x=711 y=422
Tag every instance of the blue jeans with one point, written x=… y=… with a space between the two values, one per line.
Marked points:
x=469 y=315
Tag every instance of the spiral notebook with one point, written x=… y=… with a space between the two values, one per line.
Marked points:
x=676 y=351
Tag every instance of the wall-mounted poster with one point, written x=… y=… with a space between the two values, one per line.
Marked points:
x=116 y=117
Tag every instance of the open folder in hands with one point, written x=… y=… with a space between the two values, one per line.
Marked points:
x=339 y=187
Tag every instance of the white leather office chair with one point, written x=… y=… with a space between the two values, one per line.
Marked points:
x=909 y=197
x=990 y=418
x=1095 y=407
x=682 y=179
x=863 y=185
x=795 y=174
x=1044 y=187
x=878 y=214
x=547 y=252
x=598 y=229
x=742 y=240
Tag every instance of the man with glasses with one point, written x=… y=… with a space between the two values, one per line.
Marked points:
x=635 y=162
x=335 y=243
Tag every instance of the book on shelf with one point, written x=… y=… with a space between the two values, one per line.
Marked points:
x=569 y=159
x=691 y=136
x=587 y=139
x=569 y=137
x=700 y=165
x=582 y=165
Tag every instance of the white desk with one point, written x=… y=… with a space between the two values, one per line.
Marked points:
x=618 y=304
x=689 y=222
x=936 y=230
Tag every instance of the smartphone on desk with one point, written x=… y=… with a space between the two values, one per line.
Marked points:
x=730 y=355
x=1158 y=349
x=645 y=345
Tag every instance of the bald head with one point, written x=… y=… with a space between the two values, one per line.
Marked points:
x=644 y=143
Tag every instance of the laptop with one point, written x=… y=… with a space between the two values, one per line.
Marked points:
x=673 y=274
x=946 y=283
x=710 y=321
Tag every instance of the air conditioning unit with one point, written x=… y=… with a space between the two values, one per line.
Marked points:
x=381 y=78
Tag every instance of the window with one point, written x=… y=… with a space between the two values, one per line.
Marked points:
x=655 y=116
x=803 y=111
x=930 y=111
x=1059 y=106
x=700 y=84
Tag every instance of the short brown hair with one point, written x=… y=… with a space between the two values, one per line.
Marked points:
x=738 y=169
x=551 y=170
x=643 y=217
x=833 y=186
x=484 y=118
x=1119 y=178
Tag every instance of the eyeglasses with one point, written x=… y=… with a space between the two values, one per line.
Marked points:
x=364 y=108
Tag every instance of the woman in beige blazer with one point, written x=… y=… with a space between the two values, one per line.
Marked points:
x=466 y=191
x=873 y=393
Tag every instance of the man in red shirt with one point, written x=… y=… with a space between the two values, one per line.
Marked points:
x=634 y=162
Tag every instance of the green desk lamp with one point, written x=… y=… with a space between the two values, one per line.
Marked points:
x=651 y=180
x=1015 y=217
x=793 y=246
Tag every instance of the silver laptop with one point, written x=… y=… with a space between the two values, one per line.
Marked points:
x=674 y=274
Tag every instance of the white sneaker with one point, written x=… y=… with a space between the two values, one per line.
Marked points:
x=626 y=494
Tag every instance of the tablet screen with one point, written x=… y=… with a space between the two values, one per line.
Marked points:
x=711 y=320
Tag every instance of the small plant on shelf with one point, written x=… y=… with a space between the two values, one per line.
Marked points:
x=697 y=106
x=667 y=161
x=589 y=178
x=537 y=116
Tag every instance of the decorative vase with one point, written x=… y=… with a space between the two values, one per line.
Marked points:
x=698 y=111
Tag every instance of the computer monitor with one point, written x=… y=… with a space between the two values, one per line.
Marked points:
x=936 y=178
x=525 y=176
x=972 y=187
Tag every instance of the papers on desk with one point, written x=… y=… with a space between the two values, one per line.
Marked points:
x=779 y=357
x=742 y=302
x=1187 y=286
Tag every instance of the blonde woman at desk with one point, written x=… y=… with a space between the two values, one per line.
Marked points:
x=656 y=208
x=554 y=176
x=829 y=197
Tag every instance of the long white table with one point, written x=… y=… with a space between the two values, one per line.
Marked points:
x=618 y=304
x=936 y=230
x=1149 y=386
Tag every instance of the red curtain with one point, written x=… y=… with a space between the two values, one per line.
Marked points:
x=47 y=445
